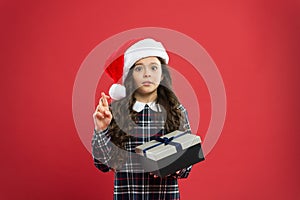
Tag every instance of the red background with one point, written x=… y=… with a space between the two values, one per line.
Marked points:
x=255 y=45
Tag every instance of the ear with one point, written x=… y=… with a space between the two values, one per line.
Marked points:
x=162 y=77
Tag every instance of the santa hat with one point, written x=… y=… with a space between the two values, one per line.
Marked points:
x=124 y=58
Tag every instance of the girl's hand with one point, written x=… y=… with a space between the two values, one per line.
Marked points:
x=102 y=115
x=155 y=176
x=175 y=176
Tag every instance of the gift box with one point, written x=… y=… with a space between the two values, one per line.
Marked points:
x=167 y=154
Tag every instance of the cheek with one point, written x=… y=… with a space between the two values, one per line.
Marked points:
x=158 y=78
x=136 y=79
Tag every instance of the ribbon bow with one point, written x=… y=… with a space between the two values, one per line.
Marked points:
x=164 y=140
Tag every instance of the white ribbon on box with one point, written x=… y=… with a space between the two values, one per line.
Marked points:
x=167 y=145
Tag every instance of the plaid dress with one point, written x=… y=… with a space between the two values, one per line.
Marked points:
x=130 y=181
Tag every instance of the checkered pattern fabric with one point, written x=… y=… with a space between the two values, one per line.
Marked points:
x=131 y=182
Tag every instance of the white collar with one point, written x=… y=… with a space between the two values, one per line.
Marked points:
x=139 y=106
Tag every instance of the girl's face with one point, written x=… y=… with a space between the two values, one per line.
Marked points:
x=147 y=74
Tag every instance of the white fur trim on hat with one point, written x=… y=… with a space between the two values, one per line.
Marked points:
x=142 y=49
x=117 y=91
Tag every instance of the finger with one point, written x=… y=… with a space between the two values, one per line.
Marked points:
x=99 y=115
x=103 y=95
x=104 y=99
x=107 y=96
x=100 y=109
x=108 y=114
x=154 y=175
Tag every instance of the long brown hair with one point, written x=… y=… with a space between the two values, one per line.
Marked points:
x=124 y=116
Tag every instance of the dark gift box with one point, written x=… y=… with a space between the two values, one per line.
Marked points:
x=170 y=153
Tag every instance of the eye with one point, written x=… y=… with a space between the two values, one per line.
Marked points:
x=154 y=67
x=138 y=68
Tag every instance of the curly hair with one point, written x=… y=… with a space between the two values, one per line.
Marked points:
x=124 y=116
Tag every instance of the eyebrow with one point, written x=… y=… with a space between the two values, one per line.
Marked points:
x=149 y=63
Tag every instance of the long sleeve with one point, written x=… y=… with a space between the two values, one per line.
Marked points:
x=101 y=150
x=184 y=173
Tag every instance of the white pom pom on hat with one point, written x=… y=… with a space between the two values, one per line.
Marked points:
x=134 y=50
x=117 y=91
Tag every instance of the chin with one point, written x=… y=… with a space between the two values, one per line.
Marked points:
x=146 y=91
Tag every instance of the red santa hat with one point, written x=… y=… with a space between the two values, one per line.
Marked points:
x=124 y=58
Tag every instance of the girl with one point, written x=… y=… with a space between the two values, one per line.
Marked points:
x=144 y=108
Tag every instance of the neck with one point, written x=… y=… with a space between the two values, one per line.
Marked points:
x=146 y=98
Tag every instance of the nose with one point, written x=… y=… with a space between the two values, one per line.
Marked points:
x=147 y=73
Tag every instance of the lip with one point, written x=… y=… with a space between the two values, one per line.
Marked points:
x=147 y=83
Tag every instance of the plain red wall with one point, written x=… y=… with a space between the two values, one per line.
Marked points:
x=254 y=43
